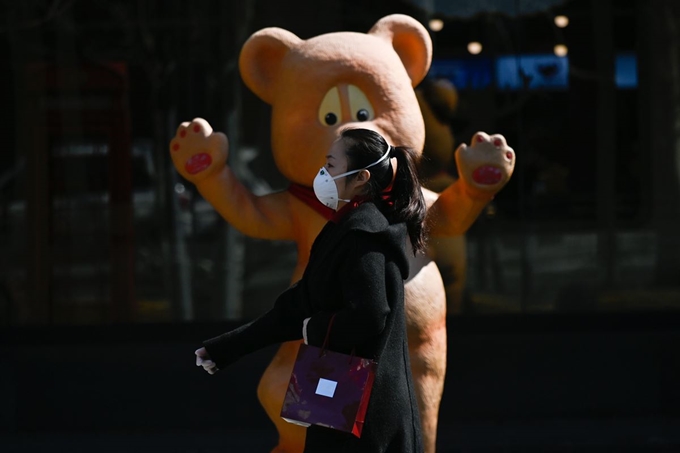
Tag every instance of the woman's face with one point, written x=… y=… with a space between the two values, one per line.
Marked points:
x=336 y=160
x=336 y=164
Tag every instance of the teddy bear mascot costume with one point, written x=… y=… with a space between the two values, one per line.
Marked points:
x=316 y=87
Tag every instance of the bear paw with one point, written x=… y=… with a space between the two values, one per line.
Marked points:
x=197 y=151
x=486 y=165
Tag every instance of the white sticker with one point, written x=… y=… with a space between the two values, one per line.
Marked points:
x=326 y=388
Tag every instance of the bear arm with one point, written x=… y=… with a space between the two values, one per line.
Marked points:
x=455 y=210
x=262 y=217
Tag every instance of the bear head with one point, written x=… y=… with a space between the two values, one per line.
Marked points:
x=321 y=85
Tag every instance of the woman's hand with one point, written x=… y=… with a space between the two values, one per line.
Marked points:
x=203 y=359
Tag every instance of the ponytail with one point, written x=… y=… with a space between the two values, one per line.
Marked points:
x=399 y=196
x=407 y=196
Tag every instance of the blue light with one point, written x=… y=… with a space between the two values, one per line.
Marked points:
x=464 y=73
x=626 y=71
x=541 y=72
x=537 y=71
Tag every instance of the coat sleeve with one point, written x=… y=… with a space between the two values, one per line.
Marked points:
x=365 y=308
x=282 y=323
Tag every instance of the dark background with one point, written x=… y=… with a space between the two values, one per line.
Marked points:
x=113 y=269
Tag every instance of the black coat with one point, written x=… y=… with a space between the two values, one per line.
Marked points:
x=356 y=271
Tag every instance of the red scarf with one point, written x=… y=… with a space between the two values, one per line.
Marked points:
x=351 y=204
x=307 y=196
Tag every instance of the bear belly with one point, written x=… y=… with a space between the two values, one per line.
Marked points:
x=271 y=392
x=425 y=304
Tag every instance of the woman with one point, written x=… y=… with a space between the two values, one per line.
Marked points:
x=355 y=275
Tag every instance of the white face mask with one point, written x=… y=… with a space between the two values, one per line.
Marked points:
x=325 y=188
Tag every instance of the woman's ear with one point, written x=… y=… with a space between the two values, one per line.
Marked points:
x=363 y=176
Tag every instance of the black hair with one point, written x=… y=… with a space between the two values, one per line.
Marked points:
x=363 y=147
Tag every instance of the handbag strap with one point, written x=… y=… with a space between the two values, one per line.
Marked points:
x=328 y=335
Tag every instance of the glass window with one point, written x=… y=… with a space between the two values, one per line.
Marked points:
x=585 y=222
x=96 y=225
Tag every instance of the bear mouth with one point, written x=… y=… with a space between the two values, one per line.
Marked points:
x=487 y=175
x=198 y=163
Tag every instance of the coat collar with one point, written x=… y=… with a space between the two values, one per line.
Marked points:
x=365 y=217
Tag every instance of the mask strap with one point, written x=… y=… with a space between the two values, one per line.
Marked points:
x=384 y=156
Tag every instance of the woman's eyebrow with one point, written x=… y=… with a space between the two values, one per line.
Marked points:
x=329 y=157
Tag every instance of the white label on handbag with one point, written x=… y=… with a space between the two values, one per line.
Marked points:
x=326 y=388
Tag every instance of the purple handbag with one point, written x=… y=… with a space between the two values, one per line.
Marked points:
x=329 y=389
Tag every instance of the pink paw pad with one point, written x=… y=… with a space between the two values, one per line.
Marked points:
x=197 y=128
x=480 y=138
x=175 y=147
x=198 y=163
x=497 y=142
x=508 y=155
x=487 y=175
x=183 y=133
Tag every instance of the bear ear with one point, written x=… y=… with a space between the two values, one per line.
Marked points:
x=261 y=57
x=410 y=40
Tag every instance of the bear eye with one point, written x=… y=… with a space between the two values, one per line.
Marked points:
x=329 y=110
x=330 y=119
x=358 y=102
